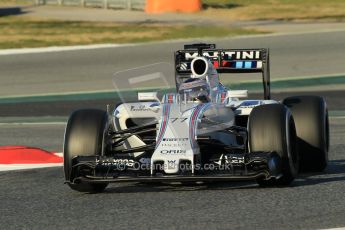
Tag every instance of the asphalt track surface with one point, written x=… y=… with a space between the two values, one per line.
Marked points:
x=38 y=199
x=334 y=99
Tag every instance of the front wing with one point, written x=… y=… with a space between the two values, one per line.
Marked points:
x=240 y=167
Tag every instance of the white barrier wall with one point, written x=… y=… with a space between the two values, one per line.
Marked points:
x=113 y=4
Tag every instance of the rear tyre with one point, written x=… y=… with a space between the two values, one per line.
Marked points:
x=84 y=136
x=271 y=128
x=311 y=119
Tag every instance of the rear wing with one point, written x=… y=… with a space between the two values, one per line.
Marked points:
x=226 y=61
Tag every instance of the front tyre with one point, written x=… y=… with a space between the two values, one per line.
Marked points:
x=84 y=136
x=271 y=128
x=311 y=118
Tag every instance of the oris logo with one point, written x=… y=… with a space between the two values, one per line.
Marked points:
x=173 y=152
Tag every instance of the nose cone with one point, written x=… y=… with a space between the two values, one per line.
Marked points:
x=218 y=117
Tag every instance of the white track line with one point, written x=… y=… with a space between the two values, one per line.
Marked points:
x=69 y=93
x=341 y=228
x=60 y=48
x=33 y=123
x=337 y=117
x=59 y=154
x=10 y=167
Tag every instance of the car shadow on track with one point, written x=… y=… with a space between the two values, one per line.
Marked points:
x=335 y=172
x=177 y=187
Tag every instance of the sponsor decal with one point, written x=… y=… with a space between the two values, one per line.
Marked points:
x=176 y=139
x=175 y=142
x=249 y=104
x=183 y=66
x=171 y=162
x=114 y=162
x=154 y=104
x=228 y=55
x=143 y=108
x=145 y=160
x=173 y=120
x=231 y=159
x=173 y=152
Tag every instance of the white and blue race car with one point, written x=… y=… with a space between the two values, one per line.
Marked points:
x=201 y=132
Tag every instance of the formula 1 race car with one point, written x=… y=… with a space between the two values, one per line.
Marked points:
x=202 y=132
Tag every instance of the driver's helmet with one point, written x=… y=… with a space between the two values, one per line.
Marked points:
x=194 y=89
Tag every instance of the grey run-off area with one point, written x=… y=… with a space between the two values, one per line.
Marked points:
x=293 y=55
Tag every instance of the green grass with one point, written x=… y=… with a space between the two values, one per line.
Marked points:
x=18 y=32
x=21 y=31
x=16 y=2
x=270 y=3
x=259 y=9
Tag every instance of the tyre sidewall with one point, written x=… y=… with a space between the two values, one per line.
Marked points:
x=270 y=128
x=84 y=136
x=312 y=125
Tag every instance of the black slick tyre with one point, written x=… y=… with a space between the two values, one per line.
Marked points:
x=84 y=136
x=312 y=126
x=271 y=128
